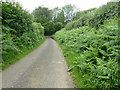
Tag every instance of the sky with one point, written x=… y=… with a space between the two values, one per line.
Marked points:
x=30 y=5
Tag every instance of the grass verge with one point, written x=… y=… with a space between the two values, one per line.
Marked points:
x=75 y=73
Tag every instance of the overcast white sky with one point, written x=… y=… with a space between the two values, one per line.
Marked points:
x=30 y=5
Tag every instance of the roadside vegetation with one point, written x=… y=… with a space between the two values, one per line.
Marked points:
x=23 y=31
x=20 y=34
x=89 y=39
x=91 y=46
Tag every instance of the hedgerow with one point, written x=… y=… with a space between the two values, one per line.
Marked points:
x=19 y=33
x=92 y=54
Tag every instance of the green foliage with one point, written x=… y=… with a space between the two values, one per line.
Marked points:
x=70 y=25
x=104 y=12
x=69 y=11
x=58 y=26
x=43 y=15
x=19 y=33
x=42 y=11
x=60 y=17
x=49 y=27
x=82 y=13
x=92 y=54
x=16 y=18
x=49 y=18
x=94 y=17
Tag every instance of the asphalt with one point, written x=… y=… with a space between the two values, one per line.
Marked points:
x=45 y=67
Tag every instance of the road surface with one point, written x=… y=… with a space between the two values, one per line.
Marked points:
x=45 y=67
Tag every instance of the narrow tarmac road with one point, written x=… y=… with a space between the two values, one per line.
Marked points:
x=45 y=67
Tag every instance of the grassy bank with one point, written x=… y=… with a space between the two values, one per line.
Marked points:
x=76 y=75
x=92 y=54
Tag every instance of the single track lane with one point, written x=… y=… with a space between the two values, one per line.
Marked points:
x=45 y=67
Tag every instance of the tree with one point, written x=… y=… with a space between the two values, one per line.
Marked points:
x=69 y=11
x=41 y=11
x=50 y=19
x=43 y=15
x=60 y=17
x=55 y=12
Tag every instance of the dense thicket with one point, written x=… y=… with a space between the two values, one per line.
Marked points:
x=94 y=17
x=19 y=33
x=92 y=53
